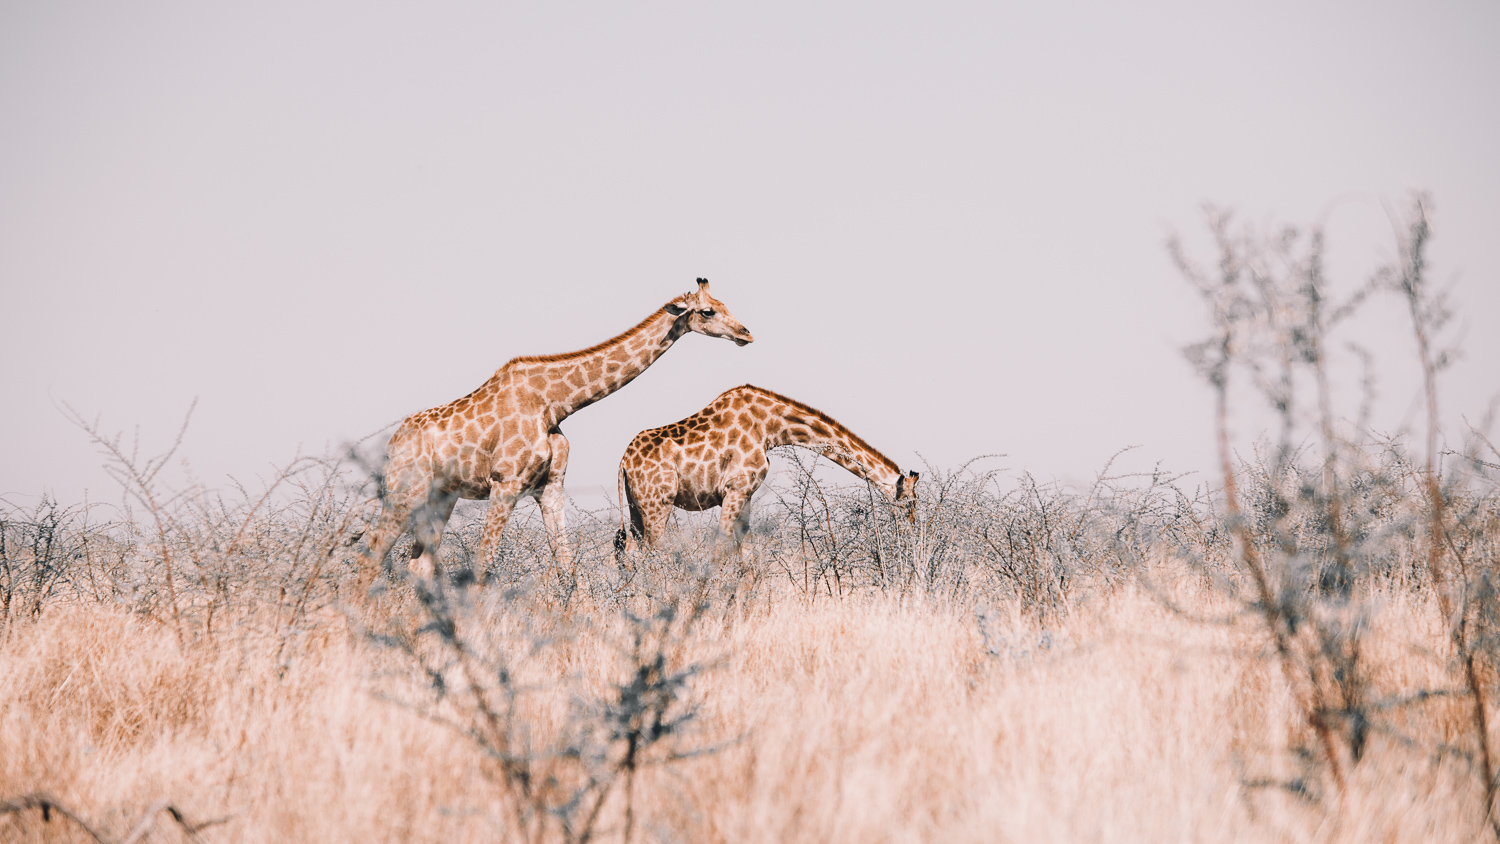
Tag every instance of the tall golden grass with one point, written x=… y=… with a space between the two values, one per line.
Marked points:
x=865 y=719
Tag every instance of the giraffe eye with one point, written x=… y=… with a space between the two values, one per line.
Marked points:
x=708 y=314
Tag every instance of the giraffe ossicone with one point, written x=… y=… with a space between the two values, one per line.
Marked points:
x=502 y=441
x=717 y=457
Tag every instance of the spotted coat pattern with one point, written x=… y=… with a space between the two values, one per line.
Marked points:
x=502 y=441
x=717 y=457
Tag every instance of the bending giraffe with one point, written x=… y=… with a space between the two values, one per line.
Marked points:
x=502 y=441
x=717 y=457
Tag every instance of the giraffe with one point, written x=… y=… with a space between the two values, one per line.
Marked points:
x=717 y=456
x=502 y=442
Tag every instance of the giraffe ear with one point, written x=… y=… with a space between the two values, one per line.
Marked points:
x=674 y=309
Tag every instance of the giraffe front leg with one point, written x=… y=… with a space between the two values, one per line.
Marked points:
x=734 y=513
x=554 y=502
x=734 y=522
x=734 y=518
x=503 y=496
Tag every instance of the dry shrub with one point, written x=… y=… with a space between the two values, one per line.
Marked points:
x=871 y=718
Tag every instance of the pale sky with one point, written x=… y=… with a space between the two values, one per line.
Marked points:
x=944 y=223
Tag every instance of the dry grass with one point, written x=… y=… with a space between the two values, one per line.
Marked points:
x=866 y=719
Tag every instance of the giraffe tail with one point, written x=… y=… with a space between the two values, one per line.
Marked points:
x=622 y=536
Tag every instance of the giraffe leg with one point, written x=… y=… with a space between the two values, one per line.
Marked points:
x=395 y=515
x=429 y=524
x=734 y=513
x=654 y=516
x=734 y=523
x=734 y=519
x=554 y=502
x=503 y=496
x=630 y=537
x=408 y=483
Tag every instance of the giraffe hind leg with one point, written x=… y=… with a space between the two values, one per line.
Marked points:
x=654 y=516
x=406 y=484
x=428 y=528
x=395 y=515
x=630 y=535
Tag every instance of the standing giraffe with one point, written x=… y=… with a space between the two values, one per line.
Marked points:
x=502 y=441
x=717 y=456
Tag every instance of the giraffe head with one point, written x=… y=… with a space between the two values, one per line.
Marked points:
x=708 y=316
x=906 y=495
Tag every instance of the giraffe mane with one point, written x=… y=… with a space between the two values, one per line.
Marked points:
x=619 y=338
x=838 y=426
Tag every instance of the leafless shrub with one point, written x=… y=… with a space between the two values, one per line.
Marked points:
x=980 y=535
x=41 y=548
x=46 y=806
x=1329 y=515
x=481 y=651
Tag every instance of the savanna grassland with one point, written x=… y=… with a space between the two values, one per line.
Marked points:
x=1304 y=652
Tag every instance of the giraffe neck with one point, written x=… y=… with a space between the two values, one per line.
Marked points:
x=575 y=381
x=793 y=423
